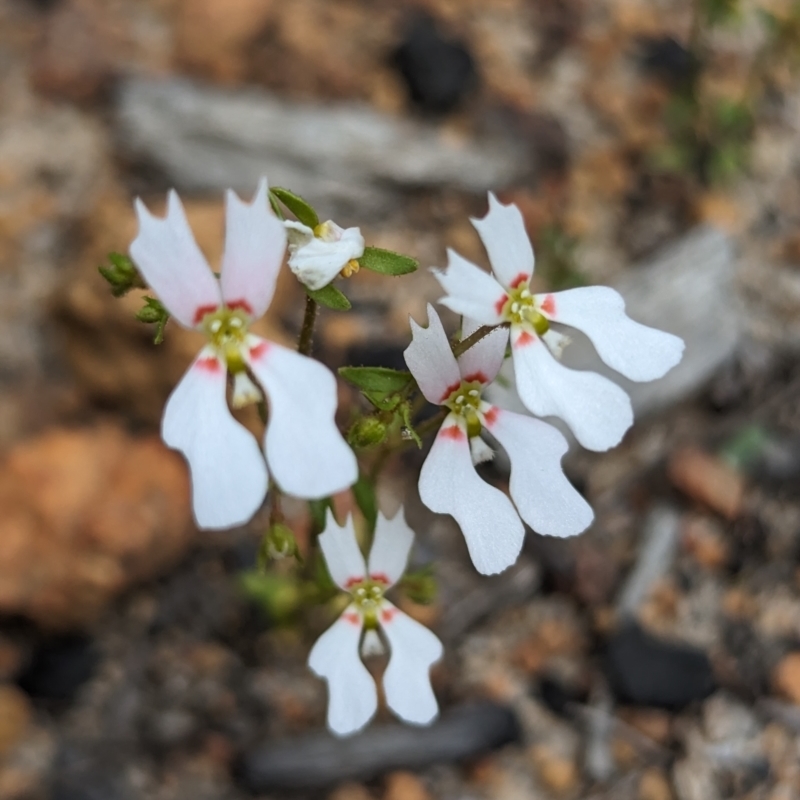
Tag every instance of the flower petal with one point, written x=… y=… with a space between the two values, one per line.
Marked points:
x=318 y=261
x=449 y=484
x=342 y=553
x=506 y=241
x=471 y=292
x=305 y=451
x=407 y=682
x=297 y=234
x=255 y=241
x=431 y=360
x=170 y=261
x=483 y=360
x=352 y=696
x=389 y=554
x=638 y=352
x=597 y=410
x=229 y=476
x=544 y=497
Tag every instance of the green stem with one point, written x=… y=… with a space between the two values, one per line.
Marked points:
x=461 y=347
x=307 y=331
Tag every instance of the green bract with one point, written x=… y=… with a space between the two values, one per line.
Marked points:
x=330 y=297
x=387 y=262
x=300 y=208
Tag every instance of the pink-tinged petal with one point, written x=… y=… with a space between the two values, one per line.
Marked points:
x=506 y=241
x=342 y=553
x=255 y=241
x=449 y=484
x=544 y=497
x=638 y=352
x=170 y=261
x=407 y=682
x=229 y=476
x=483 y=360
x=352 y=696
x=319 y=260
x=431 y=360
x=389 y=554
x=471 y=292
x=307 y=455
x=597 y=410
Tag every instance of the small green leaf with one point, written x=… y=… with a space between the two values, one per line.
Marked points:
x=408 y=428
x=122 y=275
x=330 y=297
x=364 y=494
x=154 y=313
x=300 y=208
x=319 y=512
x=387 y=262
x=376 y=379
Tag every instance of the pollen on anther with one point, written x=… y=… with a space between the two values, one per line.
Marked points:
x=460 y=399
x=473 y=392
x=515 y=308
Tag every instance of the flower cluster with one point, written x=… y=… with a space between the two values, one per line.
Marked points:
x=305 y=455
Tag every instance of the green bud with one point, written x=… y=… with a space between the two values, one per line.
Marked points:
x=366 y=432
x=278 y=543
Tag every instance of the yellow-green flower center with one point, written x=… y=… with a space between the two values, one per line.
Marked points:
x=465 y=401
x=226 y=329
x=368 y=595
x=520 y=307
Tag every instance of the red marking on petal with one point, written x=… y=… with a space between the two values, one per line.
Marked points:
x=352 y=582
x=380 y=577
x=498 y=306
x=209 y=364
x=452 y=432
x=490 y=416
x=521 y=278
x=241 y=304
x=449 y=390
x=549 y=305
x=352 y=618
x=524 y=339
x=388 y=614
x=258 y=350
x=202 y=311
x=476 y=376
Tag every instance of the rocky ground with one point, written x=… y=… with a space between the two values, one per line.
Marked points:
x=656 y=657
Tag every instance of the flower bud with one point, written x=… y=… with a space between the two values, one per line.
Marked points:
x=278 y=543
x=366 y=432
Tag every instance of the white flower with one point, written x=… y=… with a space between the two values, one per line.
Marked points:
x=336 y=656
x=596 y=409
x=449 y=484
x=306 y=453
x=318 y=255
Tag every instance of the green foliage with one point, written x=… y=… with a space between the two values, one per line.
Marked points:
x=154 y=313
x=719 y=12
x=408 y=430
x=381 y=380
x=420 y=585
x=364 y=494
x=319 y=510
x=556 y=258
x=330 y=297
x=279 y=596
x=387 y=262
x=745 y=447
x=302 y=209
x=121 y=274
x=278 y=543
x=366 y=432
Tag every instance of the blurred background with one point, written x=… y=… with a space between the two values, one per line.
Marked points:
x=652 y=145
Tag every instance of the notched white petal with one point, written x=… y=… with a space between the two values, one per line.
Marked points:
x=390 y=548
x=342 y=553
x=483 y=360
x=470 y=291
x=431 y=360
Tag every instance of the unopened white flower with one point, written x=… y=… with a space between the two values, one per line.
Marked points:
x=596 y=409
x=306 y=453
x=336 y=656
x=318 y=255
x=448 y=482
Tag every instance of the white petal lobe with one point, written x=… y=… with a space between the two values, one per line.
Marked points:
x=485 y=358
x=318 y=261
x=306 y=453
x=449 y=484
x=506 y=241
x=638 y=352
x=407 y=680
x=544 y=497
x=431 y=360
x=352 y=696
x=471 y=292
x=597 y=410
x=255 y=241
x=169 y=259
x=229 y=476
x=390 y=548
x=342 y=553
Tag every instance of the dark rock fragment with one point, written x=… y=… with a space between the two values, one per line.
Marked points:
x=643 y=670
x=59 y=667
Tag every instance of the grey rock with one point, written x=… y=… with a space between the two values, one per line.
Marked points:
x=343 y=157
x=319 y=760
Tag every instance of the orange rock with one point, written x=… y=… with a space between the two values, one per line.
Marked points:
x=786 y=677
x=719 y=209
x=405 y=786
x=704 y=540
x=708 y=480
x=654 y=785
x=652 y=722
x=15 y=716
x=85 y=514
x=559 y=774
